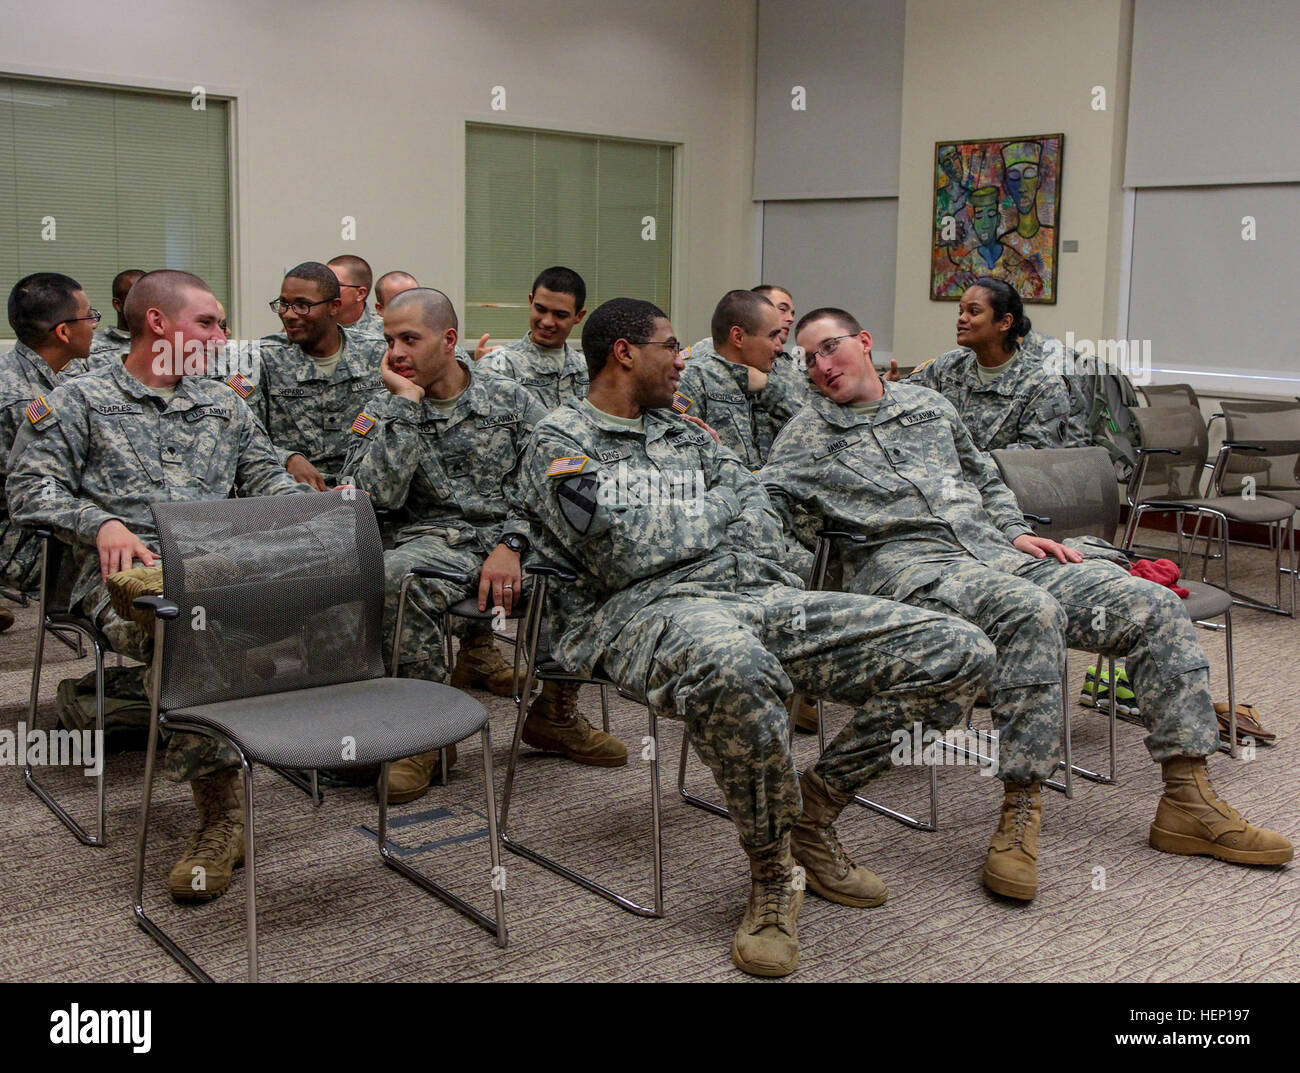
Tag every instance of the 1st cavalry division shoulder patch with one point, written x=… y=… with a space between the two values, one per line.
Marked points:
x=363 y=424
x=37 y=409
x=577 y=496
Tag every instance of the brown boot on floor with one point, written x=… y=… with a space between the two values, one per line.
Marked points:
x=1192 y=819
x=410 y=778
x=479 y=665
x=1012 y=865
x=767 y=941
x=217 y=848
x=828 y=870
x=555 y=725
x=805 y=720
x=6 y=619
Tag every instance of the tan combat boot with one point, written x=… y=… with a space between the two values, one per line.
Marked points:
x=805 y=720
x=767 y=941
x=555 y=725
x=1012 y=865
x=410 y=778
x=217 y=848
x=480 y=666
x=827 y=868
x=1192 y=819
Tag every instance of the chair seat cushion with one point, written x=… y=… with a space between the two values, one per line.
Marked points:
x=1205 y=601
x=1261 y=509
x=388 y=718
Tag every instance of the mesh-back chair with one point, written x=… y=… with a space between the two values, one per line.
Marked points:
x=540 y=667
x=1275 y=470
x=1167 y=479
x=1169 y=395
x=1076 y=488
x=298 y=582
x=54 y=617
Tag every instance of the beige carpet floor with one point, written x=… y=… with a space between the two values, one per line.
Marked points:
x=329 y=910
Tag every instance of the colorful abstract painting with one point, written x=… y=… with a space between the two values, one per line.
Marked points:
x=997 y=213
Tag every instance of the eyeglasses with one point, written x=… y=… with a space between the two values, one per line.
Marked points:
x=94 y=315
x=828 y=348
x=673 y=344
x=354 y=286
x=299 y=305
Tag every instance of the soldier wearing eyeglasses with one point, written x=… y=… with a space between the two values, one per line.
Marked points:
x=313 y=384
x=51 y=316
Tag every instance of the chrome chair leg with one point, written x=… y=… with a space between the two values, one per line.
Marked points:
x=690 y=798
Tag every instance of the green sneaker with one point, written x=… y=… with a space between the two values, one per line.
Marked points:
x=1125 y=698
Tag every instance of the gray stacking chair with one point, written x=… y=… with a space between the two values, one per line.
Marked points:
x=540 y=667
x=1169 y=395
x=1074 y=491
x=1167 y=479
x=297 y=580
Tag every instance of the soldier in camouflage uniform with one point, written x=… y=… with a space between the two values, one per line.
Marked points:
x=355 y=282
x=1008 y=394
x=898 y=465
x=88 y=463
x=442 y=442
x=312 y=386
x=112 y=343
x=51 y=316
x=680 y=600
x=543 y=361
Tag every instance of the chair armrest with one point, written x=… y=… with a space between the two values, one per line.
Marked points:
x=547 y=570
x=1239 y=445
x=161 y=606
x=841 y=534
x=1158 y=451
x=1168 y=504
x=1041 y=519
x=454 y=576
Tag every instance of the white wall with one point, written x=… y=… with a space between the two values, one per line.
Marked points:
x=380 y=92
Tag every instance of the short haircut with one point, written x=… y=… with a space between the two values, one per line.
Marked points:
x=357 y=269
x=435 y=307
x=767 y=289
x=165 y=290
x=124 y=281
x=315 y=272
x=40 y=301
x=846 y=319
x=619 y=318
x=563 y=280
x=392 y=277
x=738 y=307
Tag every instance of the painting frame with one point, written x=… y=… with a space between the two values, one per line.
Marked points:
x=997 y=212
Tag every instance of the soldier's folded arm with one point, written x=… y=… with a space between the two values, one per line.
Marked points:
x=762 y=530
x=797 y=518
x=382 y=460
x=621 y=542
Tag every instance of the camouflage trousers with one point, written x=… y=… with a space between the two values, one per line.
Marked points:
x=1032 y=614
x=727 y=662
x=424 y=645
x=185 y=756
x=20 y=557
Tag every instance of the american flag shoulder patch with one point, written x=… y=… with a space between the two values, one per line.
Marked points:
x=681 y=403
x=363 y=424
x=240 y=386
x=37 y=409
x=563 y=467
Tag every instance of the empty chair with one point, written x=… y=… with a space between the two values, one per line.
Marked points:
x=1169 y=395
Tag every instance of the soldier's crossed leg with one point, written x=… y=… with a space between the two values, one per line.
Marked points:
x=424 y=652
x=725 y=663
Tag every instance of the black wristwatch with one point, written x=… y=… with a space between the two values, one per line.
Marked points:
x=516 y=542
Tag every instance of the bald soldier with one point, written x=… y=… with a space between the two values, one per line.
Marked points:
x=389 y=286
x=679 y=598
x=441 y=442
x=312 y=384
x=355 y=280
x=115 y=340
x=51 y=316
x=91 y=458
x=895 y=463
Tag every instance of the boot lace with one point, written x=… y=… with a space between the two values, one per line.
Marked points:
x=1023 y=817
x=774 y=896
x=213 y=839
x=839 y=858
